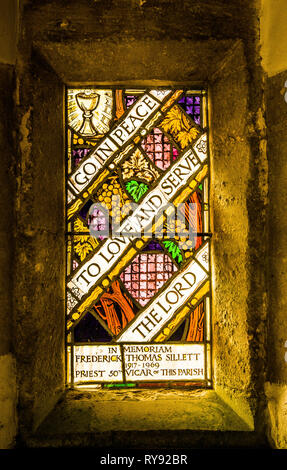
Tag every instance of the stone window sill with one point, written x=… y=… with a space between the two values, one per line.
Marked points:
x=84 y=417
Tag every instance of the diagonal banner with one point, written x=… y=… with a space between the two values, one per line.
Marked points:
x=98 y=289
x=147 y=324
x=194 y=300
x=85 y=276
x=117 y=140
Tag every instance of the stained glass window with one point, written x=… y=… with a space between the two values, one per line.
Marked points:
x=138 y=237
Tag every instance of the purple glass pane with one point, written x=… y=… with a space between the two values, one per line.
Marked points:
x=78 y=155
x=130 y=99
x=98 y=221
x=153 y=245
x=75 y=264
x=90 y=330
x=191 y=105
x=85 y=209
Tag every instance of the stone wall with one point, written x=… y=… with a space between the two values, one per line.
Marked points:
x=140 y=42
x=215 y=44
x=273 y=24
x=276 y=386
x=8 y=389
x=238 y=208
x=7 y=360
x=274 y=60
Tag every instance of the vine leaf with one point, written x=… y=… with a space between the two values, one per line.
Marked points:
x=173 y=249
x=136 y=189
x=180 y=127
x=83 y=244
x=137 y=166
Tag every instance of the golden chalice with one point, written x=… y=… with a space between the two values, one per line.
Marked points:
x=87 y=102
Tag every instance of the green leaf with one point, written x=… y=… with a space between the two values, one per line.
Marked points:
x=174 y=249
x=136 y=189
x=167 y=243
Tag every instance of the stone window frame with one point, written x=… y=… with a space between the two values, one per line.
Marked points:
x=42 y=362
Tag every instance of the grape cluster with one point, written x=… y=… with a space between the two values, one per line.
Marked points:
x=110 y=192
x=179 y=227
x=185 y=243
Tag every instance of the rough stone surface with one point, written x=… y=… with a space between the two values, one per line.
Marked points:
x=8 y=400
x=6 y=206
x=144 y=410
x=8 y=29
x=273 y=24
x=277 y=153
x=39 y=280
x=130 y=59
x=144 y=419
x=57 y=19
x=229 y=184
x=277 y=345
x=238 y=195
x=277 y=415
